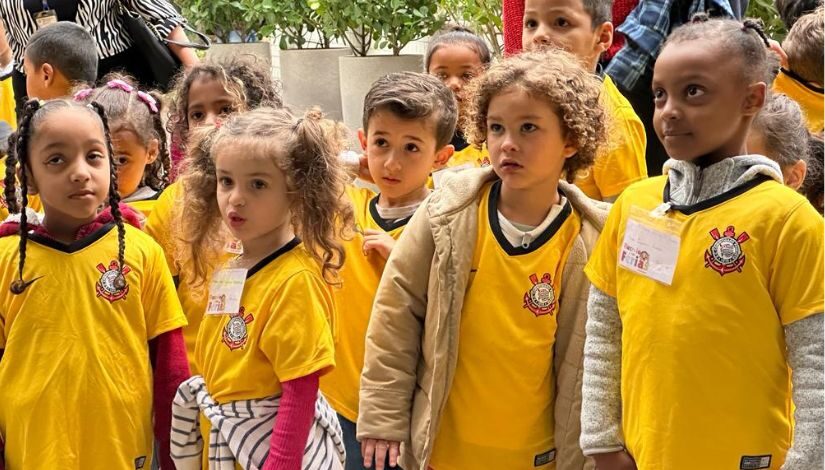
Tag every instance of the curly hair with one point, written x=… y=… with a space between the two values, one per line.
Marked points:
x=812 y=187
x=557 y=78
x=315 y=184
x=127 y=110
x=246 y=79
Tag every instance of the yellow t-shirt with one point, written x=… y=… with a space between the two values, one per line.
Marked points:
x=360 y=276
x=499 y=412
x=7 y=103
x=705 y=381
x=621 y=161
x=809 y=98
x=144 y=207
x=33 y=199
x=75 y=378
x=470 y=156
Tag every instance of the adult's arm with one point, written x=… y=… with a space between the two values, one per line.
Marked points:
x=168 y=22
x=5 y=50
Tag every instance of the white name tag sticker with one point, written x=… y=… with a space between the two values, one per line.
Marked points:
x=225 y=292
x=651 y=251
x=45 y=18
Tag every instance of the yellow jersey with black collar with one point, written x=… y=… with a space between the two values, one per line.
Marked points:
x=705 y=380
x=33 y=199
x=622 y=160
x=499 y=410
x=144 y=207
x=809 y=97
x=359 y=276
x=75 y=378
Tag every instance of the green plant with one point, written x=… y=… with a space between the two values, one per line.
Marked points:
x=766 y=11
x=220 y=19
x=354 y=21
x=483 y=16
x=298 y=24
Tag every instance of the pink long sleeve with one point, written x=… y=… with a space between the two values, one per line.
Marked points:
x=291 y=429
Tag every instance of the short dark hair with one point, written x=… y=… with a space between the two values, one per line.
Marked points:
x=453 y=34
x=68 y=48
x=792 y=10
x=600 y=11
x=411 y=95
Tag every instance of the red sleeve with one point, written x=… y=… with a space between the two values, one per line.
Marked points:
x=291 y=429
x=168 y=355
x=512 y=16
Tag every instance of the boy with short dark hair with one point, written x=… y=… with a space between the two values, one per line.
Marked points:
x=583 y=28
x=801 y=78
x=58 y=58
x=409 y=120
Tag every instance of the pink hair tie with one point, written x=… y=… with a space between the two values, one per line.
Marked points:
x=81 y=95
x=149 y=101
x=120 y=84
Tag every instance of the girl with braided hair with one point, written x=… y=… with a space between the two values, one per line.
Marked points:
x=79 y=382
x=707 y=283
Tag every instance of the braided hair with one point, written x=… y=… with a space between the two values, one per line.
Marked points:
x=17 y=164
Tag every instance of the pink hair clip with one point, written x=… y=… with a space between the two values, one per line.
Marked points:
x=121 y=85
x=150 y=102
x=83 y=94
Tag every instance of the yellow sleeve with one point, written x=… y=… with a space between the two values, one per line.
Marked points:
x=297 y=338
x=159 y=223
x=796 y=275
x=160 y=301
x=623 y=161
x=603 y=263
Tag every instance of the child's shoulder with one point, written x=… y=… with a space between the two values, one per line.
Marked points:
x=290 y=261
x=616 y=106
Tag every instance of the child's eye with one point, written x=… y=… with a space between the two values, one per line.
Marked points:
x=258 y=184
x=411 y=148
x=381 y=142
x=121 y=160
x=528 y=127
x=197 y=116
x=97 y=156
x=495 y=128
x=468 y=76
x=55 y=160
x=226 y=110
x=694 y=91
x=658 y=94
x=562 y=22
x=530 y=24
x=441 y=76
x=225 y=181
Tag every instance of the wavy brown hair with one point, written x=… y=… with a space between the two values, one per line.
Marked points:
x=315 y=184
x=557 y=78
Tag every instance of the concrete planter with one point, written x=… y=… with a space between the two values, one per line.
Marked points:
x=310 y=78
x=357 y=75
x=261 y=50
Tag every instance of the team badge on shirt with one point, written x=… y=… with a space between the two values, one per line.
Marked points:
x=112 y=285
x=235 y=332
x=541 y=298
x=725 y=255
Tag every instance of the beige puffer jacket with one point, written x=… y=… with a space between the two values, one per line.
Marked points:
x=412 y=340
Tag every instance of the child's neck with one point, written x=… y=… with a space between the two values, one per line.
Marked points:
x=255 y=250
x=409 y=199
x=528 y=206
x=64 y=229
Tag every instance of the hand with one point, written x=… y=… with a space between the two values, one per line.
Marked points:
x=380 y=448
x=777 y=48
x=379 y=241
x=364 y=169
x=614 y=461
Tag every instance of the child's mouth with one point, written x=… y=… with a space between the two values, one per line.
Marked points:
x=235 y=220
x=389 y=180
x=83 y=194
x=509 y=165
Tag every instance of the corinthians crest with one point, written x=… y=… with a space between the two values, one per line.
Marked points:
x=541 y=298
x=112 y=286
x=235 y=332
x=725 y=255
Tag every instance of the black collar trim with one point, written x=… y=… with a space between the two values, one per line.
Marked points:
x=275 y=255
x=74 y=246
x=802 y=81
x=385 y=224
x=715 y=200
x=459 y=142
x=547 y=234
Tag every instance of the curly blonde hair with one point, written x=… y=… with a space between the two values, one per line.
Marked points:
x=315 y=185
x=557 y=78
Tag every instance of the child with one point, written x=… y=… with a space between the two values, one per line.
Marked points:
x=138 y=140
x=801 y=77
x=707 y=283
x=59 y=57
x=473 y=352
x=82 y=383
x=456 y=55
x=276 y=184
x=778 y=132
x=583 y=27
x=208 y=94
x=409 y=119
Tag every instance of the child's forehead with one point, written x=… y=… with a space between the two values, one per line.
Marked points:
x=545 y=6
x=385 y=121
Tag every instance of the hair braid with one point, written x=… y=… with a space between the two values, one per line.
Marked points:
x=114 y=198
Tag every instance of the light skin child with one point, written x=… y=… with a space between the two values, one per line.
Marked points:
x=400 y=154
x=794 y=175
x=209 y=103
x=565 y=24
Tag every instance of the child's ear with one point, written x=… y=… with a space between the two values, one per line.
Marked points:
x=604 y=37
x=569 y=149
x=153 y=149
x=795 y=174
x=47 y=73
x=755 y=98
x=362 y=138
x=442 y=156
x=31 y=186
